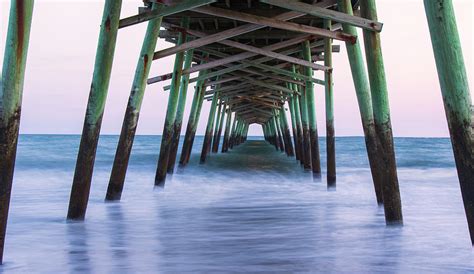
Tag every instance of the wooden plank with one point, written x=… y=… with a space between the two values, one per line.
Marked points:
x=275 y=23
x=164 y=11
x=327 y=14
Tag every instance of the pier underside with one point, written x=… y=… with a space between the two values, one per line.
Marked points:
x=255 y=61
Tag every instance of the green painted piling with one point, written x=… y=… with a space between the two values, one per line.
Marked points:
x=266 y=132
x=173 y=97
x=180 y=111
x=11 y=88
x=286 y=132
x=306 y=144
x=95 y=110
x=299 y=127
x=210 y=125
x=456 y=96
x=359 y=76
x=383 y=128
x=246 y=132
x=291 y=105
x=232 y=134
x=329 y=100
x=192 y=122
x=310 y=101
x=216 y=126
x=277 y=128
x=225 y=144
x=132 y=112
x=238 y=130
x=220 y=116
x=217 y=136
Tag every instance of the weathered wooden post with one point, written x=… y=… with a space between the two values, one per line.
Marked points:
x=329 y=100
x=273 y=137
x=220 y=104
x=95 y=110
x=192 y=121
x=225 y=144
x=246 y=132
x=456 y=96
x=383 y=128
x=221 y=126
x=238 y=132
x=286 y=132
x=306 y=144
x=299 y=128
x=267 y=132
x=278 y=136
x=167 y=136
x=313 y=128
x=232 y=134
x=180 y=111
x=361 y=83
x=132 y=112
x=218 y=132
x=210 y=125
x=11 y=84
x=291 y=104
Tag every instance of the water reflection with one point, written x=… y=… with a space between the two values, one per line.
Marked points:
x=78 y=247
x=117 y=233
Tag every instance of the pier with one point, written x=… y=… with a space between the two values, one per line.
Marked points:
x=255 y=62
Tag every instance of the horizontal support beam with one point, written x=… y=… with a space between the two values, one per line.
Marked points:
x=327 y=14
x=230 y=32
x=164 y=11
x=275 y=23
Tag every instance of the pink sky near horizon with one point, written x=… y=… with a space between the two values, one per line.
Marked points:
x=64 y=40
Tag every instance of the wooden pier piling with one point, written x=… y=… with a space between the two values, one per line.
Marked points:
x=132 y=112
x=312 y=123
x=378 y=86
x=168 y=128
x=183 y=91
x=193 y=121
x=95 y=110
x=306 y=141
x=218 y=131
x=286 y=133
x=361 y=83
x=456 y=95
x=299 y=127
x=11 y=85
x=225 y=144
x=210 y=125
x=329 y=100
x=221 y=126
x=291 y=104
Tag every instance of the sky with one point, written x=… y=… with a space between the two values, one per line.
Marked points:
x=62 y=51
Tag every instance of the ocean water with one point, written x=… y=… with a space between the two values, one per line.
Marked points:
x=250 y=210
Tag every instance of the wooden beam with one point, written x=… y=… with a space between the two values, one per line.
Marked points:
x=262 y=66
x=252 y=51
x=265 y=59
x=327 y=14
x=231 y=32
x=164 y=11
x=235 y=58
x=275 y=23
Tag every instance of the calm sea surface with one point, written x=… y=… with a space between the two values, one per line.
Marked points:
x=250 y=210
